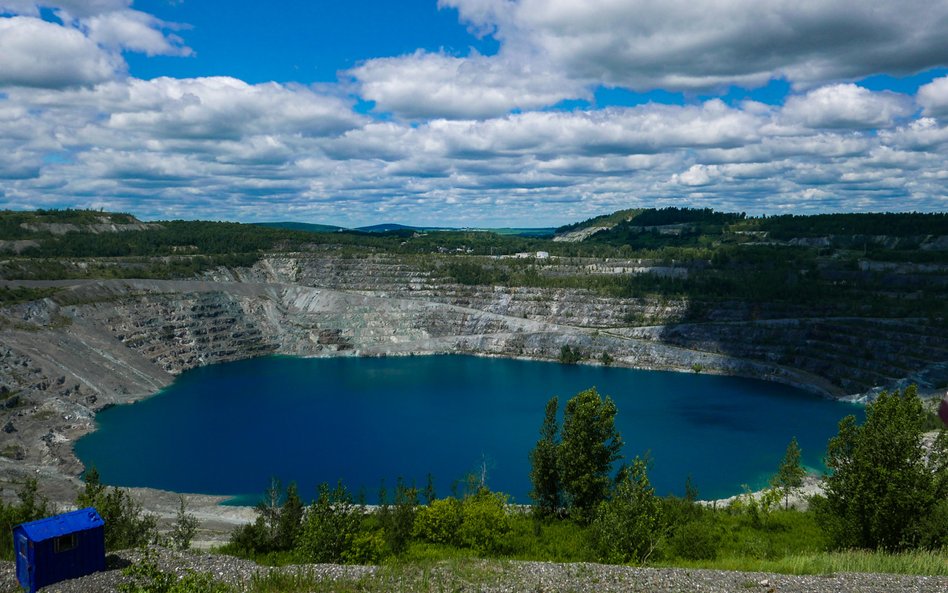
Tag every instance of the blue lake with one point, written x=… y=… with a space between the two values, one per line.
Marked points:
x=227 y=429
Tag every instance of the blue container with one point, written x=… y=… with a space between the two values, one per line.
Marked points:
x=58 y=548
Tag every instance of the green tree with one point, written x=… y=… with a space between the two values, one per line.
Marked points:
x=789 y=476
x=30 y=507
x=184 y=528
x=884 y=485
x=628 y=527
x=330 y=527
x=126 y=526
x=590 y=445
x=544 y=470
x=399 y=520
x=570 y=355
x=290 y=520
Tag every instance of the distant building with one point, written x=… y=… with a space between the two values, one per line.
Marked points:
x=543 y=255
x=58 y=548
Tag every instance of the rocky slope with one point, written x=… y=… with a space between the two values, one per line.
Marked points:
x=489 y=576
x=96 y=343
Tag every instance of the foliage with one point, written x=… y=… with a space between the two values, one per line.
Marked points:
x=484 y=522
x=145 y=576
x=30 y=506
x=789 y=476
x=22 y=294
x=590 y=445
x=544 y=465
x=628 y=527
x=368 y=547
x=570 y=355
x=440 y=521
x=398 y=521
x=276 y=527
x=184 y=528
x=126 y=526
x=695 y=540
x=884 y=488
x=330 y=526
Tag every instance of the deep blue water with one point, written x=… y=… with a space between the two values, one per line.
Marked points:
x=229 y=428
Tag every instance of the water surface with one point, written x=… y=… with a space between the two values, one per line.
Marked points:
x=227 y=429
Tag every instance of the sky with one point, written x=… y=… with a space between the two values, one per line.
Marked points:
x=472 y=113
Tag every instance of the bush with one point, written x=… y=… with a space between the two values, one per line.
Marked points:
x=126 y=526
x=697 y=540
x=570 y=355
x=276 y=527
x=368 y=547
x=628 y=527
x=30 y=507
x=484 y=522
x=330 y=526
x=184 y=529
x=398 y=521
x=440 y=521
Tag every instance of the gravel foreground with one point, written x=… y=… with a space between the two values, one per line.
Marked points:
x=500 y=576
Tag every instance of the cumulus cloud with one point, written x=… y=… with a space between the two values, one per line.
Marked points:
x=424 y=85
x=41 y=54
x=698 y=45
x=933 y=97
x=847 y=106
x=226 y=108
x=222 y=148
x=84 y=48
x=135 y=31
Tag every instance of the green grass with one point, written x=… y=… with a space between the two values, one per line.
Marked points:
x=821 y=563
x=22 y=294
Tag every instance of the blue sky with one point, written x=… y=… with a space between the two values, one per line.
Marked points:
x=472 y=112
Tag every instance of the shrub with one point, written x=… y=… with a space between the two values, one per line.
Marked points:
x=398 y=521
x=697 y=540
x=628 y=527
x=126 y=526
x=30 y=507
x=330 y=526
x=484 y=522
x=440 y=521
x=367 y=547
x=184 y=528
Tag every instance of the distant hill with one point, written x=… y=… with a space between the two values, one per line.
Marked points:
x=302 y=226
x=390 y=226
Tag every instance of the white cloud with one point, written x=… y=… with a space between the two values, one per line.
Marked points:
x=227 y=108
x=41 y=54
x=933 y=97
x=696 y=175
x=84 y=48
x=847 y=106
x=425 y=85
x=221 y=148
x=134 y=31
x=705 y=44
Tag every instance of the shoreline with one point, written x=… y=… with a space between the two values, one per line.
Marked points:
x=121 y=341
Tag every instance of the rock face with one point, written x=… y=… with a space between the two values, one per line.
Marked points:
x=100 y=343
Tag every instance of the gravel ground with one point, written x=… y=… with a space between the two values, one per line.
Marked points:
x=498 y=577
